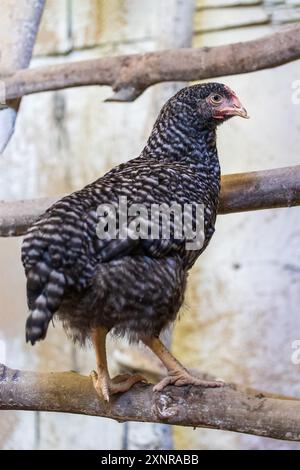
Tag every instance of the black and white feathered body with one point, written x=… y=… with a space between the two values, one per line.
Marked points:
x=130 y=286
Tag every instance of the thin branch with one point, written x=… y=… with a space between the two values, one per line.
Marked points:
x=257 y=190
x=227 y=408
x=240 y=192
x=130 y=75
x=17 y=216
x=18 y=30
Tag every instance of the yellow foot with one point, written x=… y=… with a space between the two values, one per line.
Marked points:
x=183 y=377
x=105 y=386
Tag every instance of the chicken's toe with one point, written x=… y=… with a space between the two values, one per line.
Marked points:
x=183 y=377
x=122 y=383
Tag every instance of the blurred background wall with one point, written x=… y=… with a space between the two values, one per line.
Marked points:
x=241 y=314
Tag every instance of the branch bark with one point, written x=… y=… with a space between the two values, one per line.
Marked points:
x=227 y=408
x=18 y=29
x=268 y=189
x=130 y=75
x=240 y=192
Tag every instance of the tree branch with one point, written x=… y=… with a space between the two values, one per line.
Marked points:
x=130 y=75
x=257 y=190
x=240 y=192
x=226 y=408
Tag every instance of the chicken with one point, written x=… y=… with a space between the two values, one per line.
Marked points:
x=131 y=285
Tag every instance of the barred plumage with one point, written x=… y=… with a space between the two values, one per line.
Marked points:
x=129 y=286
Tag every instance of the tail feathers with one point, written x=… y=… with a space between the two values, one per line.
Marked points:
x=44 y=307
x=38 y=321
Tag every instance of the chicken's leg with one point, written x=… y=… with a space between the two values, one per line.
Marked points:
x=104 y=385
x=177 y=374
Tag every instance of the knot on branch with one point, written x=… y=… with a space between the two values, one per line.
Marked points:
x=124 y=94
x=165 y=406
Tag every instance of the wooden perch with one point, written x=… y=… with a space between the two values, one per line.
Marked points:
x=257 y=190
x=240 y=192
x=226 y=408
x=130 y=75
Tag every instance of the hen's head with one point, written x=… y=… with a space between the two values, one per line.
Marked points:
x=208 y=104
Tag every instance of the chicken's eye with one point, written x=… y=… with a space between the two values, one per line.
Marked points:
x=216 y=99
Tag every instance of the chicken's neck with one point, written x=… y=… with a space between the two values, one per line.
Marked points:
x=176 y=140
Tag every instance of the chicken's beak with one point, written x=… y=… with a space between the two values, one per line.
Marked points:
x=230 y=111
x=239 y=112
x=234 y=108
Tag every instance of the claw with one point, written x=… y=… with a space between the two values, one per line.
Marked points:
x=101 y=385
